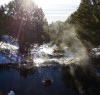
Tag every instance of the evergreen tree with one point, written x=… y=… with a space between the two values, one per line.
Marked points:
x=26 y=23
x=87 y=21
x=4 y=21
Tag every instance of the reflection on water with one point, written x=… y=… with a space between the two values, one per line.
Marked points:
x=69 y=79
x=23 y=83
x=26 y=73
x=82 y=79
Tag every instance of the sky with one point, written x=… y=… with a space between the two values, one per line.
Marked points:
x=55 y=10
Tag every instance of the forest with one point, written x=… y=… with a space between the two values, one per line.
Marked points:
x=18 y=22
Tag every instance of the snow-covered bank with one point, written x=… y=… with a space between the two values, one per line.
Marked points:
x=8 y=46
x=8 y=53
x=95 y=53
x=9 y=50
x=39 y=55
x=50 y=54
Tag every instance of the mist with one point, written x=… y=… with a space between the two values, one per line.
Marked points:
x=68 y=39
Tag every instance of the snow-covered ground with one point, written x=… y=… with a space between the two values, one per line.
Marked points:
x=45 y=53
x=9 y=40
x=95 y=52
x=8 y=46
x=40 y=54
x=8 y=50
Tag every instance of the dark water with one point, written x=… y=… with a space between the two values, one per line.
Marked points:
x=67 y=80
x=30 y=83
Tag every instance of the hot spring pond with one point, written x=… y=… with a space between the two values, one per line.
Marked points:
x=30 y=82
x=67 y=79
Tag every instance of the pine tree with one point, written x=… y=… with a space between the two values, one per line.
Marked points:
x=87 y=21
x=26 y=23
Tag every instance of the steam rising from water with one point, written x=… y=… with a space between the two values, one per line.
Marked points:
x=44 y=54
x=69 y=38
x=68 y=41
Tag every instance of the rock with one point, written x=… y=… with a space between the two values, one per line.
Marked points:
x=11 y=93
